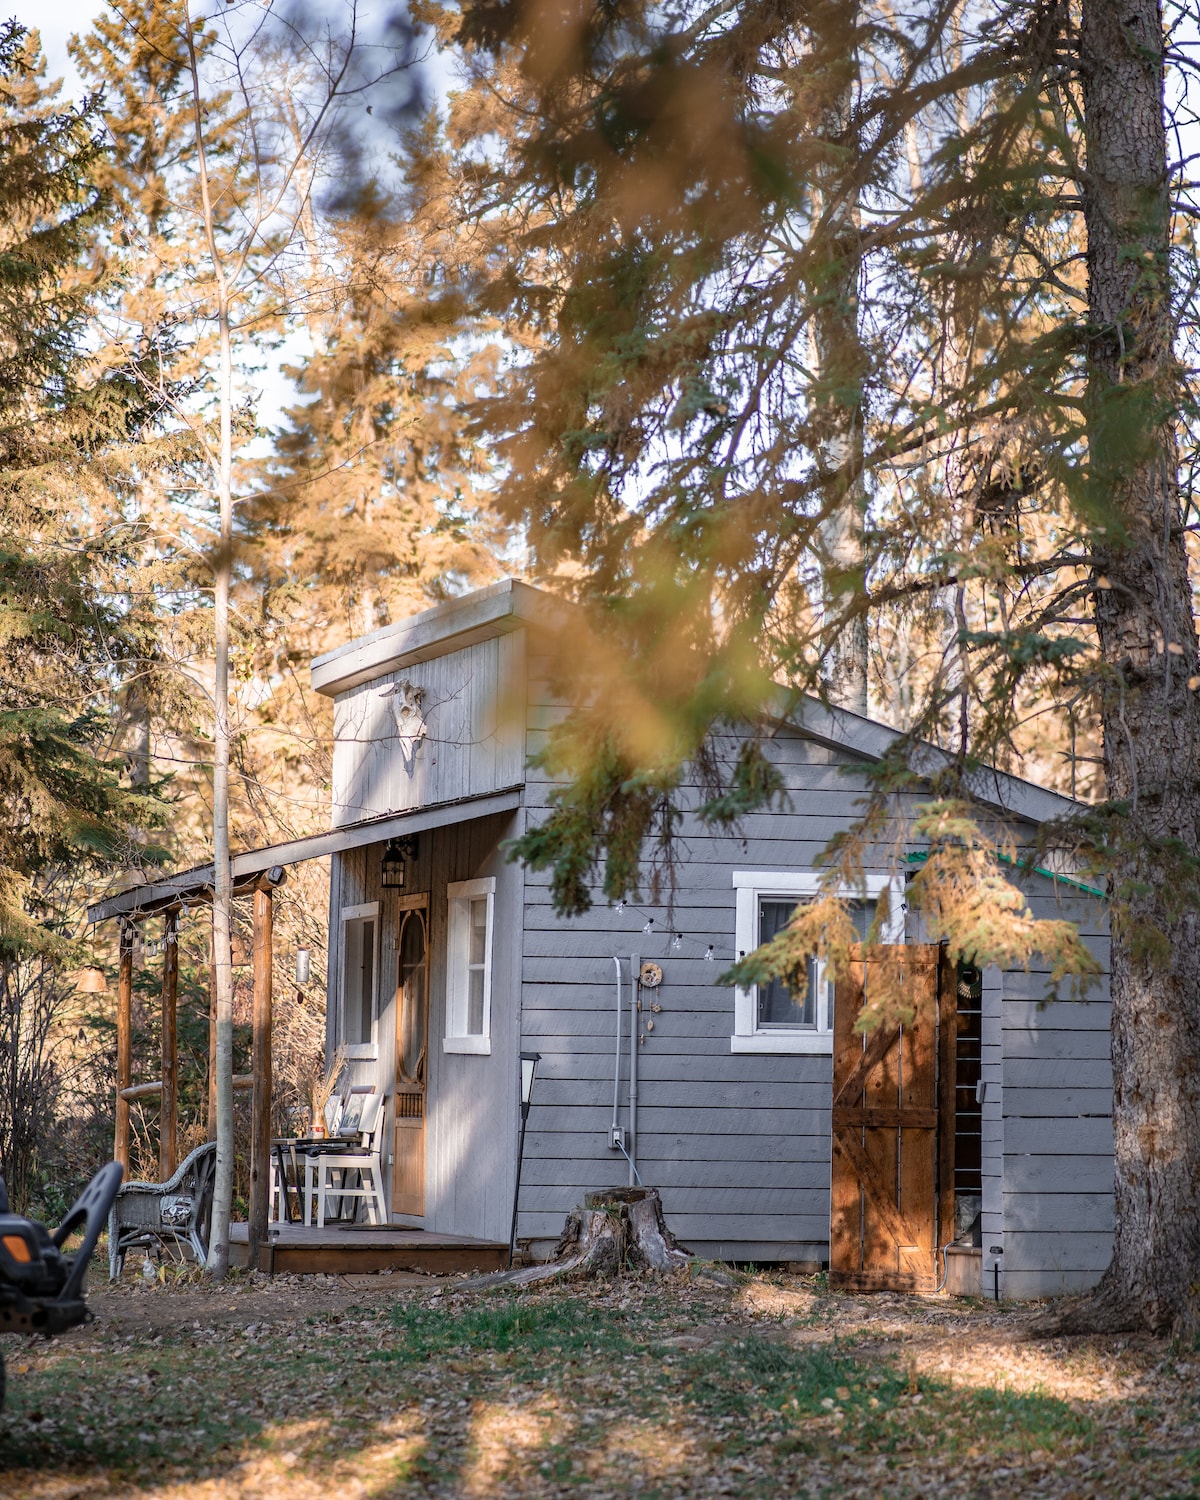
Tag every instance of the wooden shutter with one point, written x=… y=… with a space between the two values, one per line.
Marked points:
x=892 y=1183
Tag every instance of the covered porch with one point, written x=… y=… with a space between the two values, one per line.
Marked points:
x=257 y=875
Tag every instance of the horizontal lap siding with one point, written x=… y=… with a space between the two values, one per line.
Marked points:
x=1058 y=1145
x=738 y=1145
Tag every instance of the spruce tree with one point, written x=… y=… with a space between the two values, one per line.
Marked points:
x=67 y=643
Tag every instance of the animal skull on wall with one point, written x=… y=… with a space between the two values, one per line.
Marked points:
x=410 y=721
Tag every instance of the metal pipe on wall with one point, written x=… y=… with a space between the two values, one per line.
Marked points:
x=617 y=1060
x=635 y=989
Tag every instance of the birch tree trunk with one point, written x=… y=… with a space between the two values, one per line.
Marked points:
x=222 y=907
x=1143 y=611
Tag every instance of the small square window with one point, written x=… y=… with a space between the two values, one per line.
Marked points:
x=770 y=1017
x=469 y=966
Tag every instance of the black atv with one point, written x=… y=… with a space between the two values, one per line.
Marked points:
x=41 y=1288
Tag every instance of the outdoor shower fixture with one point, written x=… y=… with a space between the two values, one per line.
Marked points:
x=529 y=1062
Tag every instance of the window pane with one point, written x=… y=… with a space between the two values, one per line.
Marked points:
x=475 y=1002
x=478 y=940
x=777 y=1006
x=359 y=979
x=412 y=997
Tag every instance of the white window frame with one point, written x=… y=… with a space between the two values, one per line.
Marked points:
x=365 y=1050
x=459 y=896
x=750 y=886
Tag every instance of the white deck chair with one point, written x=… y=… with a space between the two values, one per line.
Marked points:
x=360 y=1160
x=305 y=1169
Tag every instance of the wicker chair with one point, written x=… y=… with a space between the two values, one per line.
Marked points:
x=149 y=1215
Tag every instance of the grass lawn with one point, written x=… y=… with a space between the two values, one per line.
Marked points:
x=707 y=1384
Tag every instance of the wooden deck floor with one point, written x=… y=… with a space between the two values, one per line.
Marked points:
x=344 y=1250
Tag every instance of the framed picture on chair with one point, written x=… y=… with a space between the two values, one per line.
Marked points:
x=351 y=1122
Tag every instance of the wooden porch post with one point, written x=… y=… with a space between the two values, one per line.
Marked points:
x=260 y=1135
x=124 y=1043
x=168 y=1150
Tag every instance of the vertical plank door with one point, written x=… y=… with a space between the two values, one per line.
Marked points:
x=889 y=1180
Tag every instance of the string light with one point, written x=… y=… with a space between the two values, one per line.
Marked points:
x=677 y=939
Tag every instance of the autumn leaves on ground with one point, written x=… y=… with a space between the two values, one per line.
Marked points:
x=714 y=1383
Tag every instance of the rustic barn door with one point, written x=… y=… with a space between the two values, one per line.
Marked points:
x=892 y=1196
x=412 y=1056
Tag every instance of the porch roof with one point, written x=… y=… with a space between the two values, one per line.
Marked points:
x=196 y=884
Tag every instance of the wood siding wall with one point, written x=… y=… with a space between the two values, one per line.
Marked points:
x=473 y=740
x=992 y=1125
x=1057 y=1141
x=472 y=1101
x=738 y=1144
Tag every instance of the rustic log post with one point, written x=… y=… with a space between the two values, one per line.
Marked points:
x=260 y=1134
x=212 y=1030
x=168 y=1113
x=124 y=1043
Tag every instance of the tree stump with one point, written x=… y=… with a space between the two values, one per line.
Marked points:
x=617 y=1229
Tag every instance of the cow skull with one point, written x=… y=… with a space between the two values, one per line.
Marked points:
x=410 y=721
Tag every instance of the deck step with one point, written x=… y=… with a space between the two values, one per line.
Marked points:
x=339 y=1251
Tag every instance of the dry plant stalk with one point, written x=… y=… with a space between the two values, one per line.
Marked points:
x=324 y=1084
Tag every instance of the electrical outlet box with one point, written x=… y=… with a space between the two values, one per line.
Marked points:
x=616 y=1139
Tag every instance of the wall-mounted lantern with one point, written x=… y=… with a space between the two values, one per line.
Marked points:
x=397 y=855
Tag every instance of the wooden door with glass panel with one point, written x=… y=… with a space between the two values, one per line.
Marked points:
x=412 y=1055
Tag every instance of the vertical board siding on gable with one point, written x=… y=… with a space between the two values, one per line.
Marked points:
x=473 y=740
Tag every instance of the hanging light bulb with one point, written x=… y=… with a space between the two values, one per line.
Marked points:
x=708 y=957
x=620 y=906
x=649 y=927
x=677 y=941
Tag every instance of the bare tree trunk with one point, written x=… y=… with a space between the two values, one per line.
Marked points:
x=222 y=910
x=840 y=357
x=1151 y=716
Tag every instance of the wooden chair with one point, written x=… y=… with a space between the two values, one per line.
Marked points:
x=302 y=1155
x=149 y=1215
x=362 y=1128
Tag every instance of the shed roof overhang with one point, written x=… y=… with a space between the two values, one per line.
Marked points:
x=196 y=884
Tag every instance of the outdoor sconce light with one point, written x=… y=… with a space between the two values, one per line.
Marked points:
x=529 y=1062
x=303 y=965
x=396 y=855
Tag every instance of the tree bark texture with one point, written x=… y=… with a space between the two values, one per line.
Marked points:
x=222 y=905
x=841 y=364
x=1147 y=637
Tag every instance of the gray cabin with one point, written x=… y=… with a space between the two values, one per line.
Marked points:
x=443 y=972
